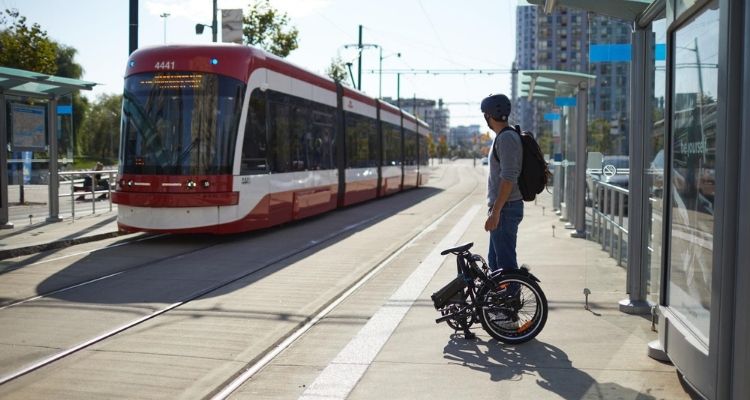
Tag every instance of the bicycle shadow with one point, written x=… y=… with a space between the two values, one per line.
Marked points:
x=550 y=365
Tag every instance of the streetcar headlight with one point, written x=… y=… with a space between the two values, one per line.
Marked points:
x=130 y=183
x=191 y=184
x=206 y=183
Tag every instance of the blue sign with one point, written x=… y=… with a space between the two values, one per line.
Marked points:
x=565 y=101
x=551 y=116
x=64 y=110
x=609 y=52
x=660 y=52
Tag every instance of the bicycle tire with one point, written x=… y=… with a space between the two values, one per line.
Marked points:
x=510 y=319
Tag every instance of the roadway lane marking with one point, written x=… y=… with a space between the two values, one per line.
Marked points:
x=341 y=376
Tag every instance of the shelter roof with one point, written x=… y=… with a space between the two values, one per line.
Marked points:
x=32 y=84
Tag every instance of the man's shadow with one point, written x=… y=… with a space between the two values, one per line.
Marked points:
x=554 y=368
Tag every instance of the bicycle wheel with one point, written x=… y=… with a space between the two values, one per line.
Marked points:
x=514 y=310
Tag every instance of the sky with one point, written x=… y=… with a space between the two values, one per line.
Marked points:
x=429 y=35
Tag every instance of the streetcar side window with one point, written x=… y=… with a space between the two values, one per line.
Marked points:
x=391 y=144
x=300 y=144
x=424 y=156
x=255 y=144
x=322 y=125
x=278 y=138
x=300 y=134
x=361 y=141
x=410 y=151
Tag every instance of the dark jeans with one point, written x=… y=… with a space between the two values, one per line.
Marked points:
x=503 y=239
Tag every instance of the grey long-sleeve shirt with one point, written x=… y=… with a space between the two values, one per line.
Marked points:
x=509 y=151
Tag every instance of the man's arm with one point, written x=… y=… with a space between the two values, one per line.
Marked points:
x=493 y=220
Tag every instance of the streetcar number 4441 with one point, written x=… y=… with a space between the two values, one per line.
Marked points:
x=164 y=65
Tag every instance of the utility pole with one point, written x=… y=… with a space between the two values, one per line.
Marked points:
x=214 y=25
x=398 y=91
x=133 y=31
x=359 y=64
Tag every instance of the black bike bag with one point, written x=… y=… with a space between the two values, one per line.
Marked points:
x=452 y=292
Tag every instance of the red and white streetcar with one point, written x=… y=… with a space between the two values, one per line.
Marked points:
x=229 y=138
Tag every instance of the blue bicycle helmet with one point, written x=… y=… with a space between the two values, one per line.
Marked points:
x=496 y=106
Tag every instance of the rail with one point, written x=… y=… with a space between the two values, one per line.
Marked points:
x=99 y=184
x=608 y=222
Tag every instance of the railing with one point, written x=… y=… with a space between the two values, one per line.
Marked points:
x=608 y=222
x=97 y=188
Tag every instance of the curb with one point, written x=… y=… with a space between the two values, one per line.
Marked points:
x=38 y=248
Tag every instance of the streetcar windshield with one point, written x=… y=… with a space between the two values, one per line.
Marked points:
x=180 y=123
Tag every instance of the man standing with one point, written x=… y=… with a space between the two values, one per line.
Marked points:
x=503 y=195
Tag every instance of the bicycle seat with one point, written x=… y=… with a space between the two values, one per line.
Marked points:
x=458 y=250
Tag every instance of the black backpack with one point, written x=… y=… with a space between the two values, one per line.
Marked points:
x=534 y=170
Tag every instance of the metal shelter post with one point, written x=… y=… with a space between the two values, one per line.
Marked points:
x=569 y=159
x=557 y=187
x=580 y=169
x=4 y=224
x=636 y=273
x=54 y=179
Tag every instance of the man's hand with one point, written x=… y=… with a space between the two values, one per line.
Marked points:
x=493 y=221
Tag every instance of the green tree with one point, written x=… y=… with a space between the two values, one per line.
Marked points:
x=68 y=68
x=25 y=47
x=600 y=136
x=337 y=71
x=442 y=147
x=100 y=133
x=265 y=27
x=430 y=146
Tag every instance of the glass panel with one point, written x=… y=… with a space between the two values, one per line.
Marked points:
x=654 y=155
x=361 y=141
x=693 y=136
x=280 y=125
x=180 y=123
x=410 y=157
x=254 y=145
x=324 y=149
x=391 y=145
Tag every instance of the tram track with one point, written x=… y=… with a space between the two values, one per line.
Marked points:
x=266 y=356
x=195 y=295
x=285 y=341
x=12 y=303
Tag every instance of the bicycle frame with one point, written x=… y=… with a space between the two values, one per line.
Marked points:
x=463 y=299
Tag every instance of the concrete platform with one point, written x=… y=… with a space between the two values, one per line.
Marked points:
x=599 y=353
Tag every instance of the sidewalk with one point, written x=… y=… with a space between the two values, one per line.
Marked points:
x=594 y=353
x=31 y=233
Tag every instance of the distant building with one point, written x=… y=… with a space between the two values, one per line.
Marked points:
x=431 y=111
x=464 y=136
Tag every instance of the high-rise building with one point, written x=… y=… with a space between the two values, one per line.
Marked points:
x=523 y=110
x=562 y=41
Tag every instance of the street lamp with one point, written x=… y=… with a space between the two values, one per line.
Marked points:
x=380 y=71
x=165 y=15
x=213 y=26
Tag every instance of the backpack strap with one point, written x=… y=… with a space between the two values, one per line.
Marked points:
x=494 y=153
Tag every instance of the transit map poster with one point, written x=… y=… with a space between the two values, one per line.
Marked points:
x=27 y=127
